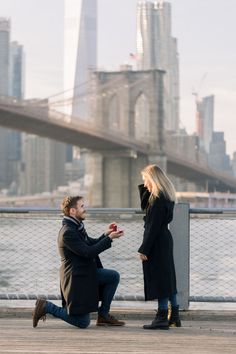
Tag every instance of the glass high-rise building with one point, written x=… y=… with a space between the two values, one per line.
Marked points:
x=205 y=121
x=80 y=53
x=5 y=27
x=4 y=87
x=11 y=85
x=16 y=79
x=157 y=49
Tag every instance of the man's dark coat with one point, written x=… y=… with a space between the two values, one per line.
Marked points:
x=79 y=262
x=159 y=269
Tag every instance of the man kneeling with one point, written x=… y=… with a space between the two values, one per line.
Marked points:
x=83 y=279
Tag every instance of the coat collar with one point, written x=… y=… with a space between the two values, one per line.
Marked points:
x=72 y=221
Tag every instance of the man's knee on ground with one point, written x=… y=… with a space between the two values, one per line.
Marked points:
x=84 y=324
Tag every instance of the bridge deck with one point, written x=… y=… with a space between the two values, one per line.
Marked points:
x=91 y=135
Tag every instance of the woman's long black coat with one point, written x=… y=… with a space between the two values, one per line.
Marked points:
x=79 y=262
x=159 y=269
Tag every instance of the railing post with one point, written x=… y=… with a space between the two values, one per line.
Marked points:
x=180 y=231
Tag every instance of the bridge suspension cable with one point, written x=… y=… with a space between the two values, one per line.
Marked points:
x=93 y=94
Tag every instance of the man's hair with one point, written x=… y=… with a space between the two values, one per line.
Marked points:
x=68 y=203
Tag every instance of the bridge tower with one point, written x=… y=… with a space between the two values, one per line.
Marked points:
x=129 y=103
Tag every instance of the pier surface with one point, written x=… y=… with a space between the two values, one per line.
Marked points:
x=202 y=332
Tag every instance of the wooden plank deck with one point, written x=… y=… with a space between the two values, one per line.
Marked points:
x=57 y=337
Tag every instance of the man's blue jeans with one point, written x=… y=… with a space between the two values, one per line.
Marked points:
x=81 y=321
x=108 y=281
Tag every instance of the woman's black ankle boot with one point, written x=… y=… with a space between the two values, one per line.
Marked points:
x=174 y=320
x=160 y=321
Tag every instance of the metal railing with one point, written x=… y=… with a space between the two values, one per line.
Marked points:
x=29 y=261
x=213 y=255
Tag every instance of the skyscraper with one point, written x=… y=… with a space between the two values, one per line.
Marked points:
x=157 y=49
x=4 y=87
x=16 y=79
x=4 y=55
x=4 y=67
x=80 y=52
x=11 y=85
x=217 y=157
x=43 y=162
x=80 y=57
x=205 y=121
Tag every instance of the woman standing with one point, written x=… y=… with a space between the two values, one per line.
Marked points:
x=156 y=252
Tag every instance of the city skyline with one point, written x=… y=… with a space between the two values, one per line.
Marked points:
x=205 y=40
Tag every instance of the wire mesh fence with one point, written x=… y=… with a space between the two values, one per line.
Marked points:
x=29 y=260
x=213 y=256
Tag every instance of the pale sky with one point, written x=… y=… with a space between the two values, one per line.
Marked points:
x=205 y=30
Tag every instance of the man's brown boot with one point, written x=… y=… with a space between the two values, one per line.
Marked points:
x=109 y=321
x=39 y=311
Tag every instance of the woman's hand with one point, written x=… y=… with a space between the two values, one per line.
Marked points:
x=143 y=257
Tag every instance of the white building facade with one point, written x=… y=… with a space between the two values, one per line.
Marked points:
x=157 y=49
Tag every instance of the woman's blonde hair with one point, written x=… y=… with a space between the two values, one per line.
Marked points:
x=159 y=183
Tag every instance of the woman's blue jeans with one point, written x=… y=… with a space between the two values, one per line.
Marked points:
x=108 y=281
x=163 y=303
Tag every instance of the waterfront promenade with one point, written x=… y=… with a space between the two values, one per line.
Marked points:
x=202 y=332
x=205 y=261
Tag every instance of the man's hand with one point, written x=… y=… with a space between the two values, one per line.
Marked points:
x=143 y=257
x=116 y=234
x=111 y=227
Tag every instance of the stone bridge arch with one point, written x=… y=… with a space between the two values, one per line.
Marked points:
x=131 y=102
x=113 y=112
x=141 y=118
x=124 y=96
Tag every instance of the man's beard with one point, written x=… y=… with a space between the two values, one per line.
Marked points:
x=80 y=218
